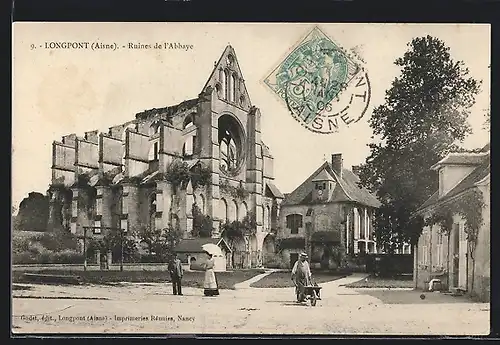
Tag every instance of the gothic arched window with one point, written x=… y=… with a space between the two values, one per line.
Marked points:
x=189 y=140
x=225 y=82
x=130 y=127
x=232 y=91
x=230 y=144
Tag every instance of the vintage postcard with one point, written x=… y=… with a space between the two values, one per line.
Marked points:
x=231 y=178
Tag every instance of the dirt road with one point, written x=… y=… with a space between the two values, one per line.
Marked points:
x=150 y=308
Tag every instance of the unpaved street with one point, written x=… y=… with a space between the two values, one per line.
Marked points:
x=150 y=308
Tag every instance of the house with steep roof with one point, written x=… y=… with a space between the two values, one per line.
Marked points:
x=328 y=211
x=454 y=246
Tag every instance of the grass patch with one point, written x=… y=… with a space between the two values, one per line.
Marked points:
x=283 y=279
x=378 y=282
x=226 y=280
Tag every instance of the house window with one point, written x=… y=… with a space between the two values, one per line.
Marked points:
x=74 y=208
x=124 y=225
x=97 y=227
x=324 y=185
x=425 y=255
x=98 y=206
x=124 y=206
x=294 y=222
x=357 y=225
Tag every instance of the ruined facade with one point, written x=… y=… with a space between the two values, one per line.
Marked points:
x=123 y=178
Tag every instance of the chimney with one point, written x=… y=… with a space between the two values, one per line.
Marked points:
x=337 y=164
x=356 y=170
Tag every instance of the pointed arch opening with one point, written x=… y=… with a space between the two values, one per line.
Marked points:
x=232 y=90
x=224 y=210
x=231 y=139
x=225 y=82
x=189 y=130
x=129 y=127
x=233 y=211
x=243 y=211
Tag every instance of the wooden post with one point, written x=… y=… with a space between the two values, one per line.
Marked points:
x=84 y=248
x=308 y=239
x=309 y=230
x=121 y=245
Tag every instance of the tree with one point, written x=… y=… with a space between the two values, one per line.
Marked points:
x=423 y=118
x=236 y=231
x=161 y=243
x=114 y=240
x=202 y=224
x=33 y=213
x=487 y=121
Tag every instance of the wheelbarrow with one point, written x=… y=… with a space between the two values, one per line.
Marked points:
x=311 y=293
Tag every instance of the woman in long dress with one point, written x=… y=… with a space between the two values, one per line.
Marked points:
x=210 y=285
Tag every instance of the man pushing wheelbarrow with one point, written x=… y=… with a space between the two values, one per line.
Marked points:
x=305 y=288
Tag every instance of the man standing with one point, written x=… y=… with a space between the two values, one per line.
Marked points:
x=176 y=271
x=301 y=276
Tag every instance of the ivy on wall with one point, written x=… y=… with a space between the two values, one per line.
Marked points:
x=469 y=207
x=236 y=192
x=179 y=175
x=202 y=224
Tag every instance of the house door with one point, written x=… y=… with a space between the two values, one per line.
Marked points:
x=454 y=254
x=293 y=259
x=462 y=259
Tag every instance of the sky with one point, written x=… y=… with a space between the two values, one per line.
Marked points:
x=63 y=91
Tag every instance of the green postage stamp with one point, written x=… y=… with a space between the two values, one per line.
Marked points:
x=322 y=86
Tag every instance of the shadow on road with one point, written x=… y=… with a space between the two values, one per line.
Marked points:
x=413 y=297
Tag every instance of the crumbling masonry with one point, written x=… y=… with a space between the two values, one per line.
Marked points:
x=117 y=179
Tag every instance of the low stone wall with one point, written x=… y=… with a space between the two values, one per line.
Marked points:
x=94 y=267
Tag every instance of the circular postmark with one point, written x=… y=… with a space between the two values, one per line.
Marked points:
x=322 y=86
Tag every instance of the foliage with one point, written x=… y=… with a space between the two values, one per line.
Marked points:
x=290 y=243
x=487 y=121
x=45 y=256
x=179 y=174
x=202 y=224
x=338 y=254
x=469 y=207
x=112 y=241
x=161 y=243
x=238 y=192
x=424 y=114
x=200 y=175
x=238 y=229
x=33 y=213
x=59 y=240
x=53 y=247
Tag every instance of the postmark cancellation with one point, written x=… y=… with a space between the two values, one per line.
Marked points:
x=322 y=85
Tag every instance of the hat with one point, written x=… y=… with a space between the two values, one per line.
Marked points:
x=303 y=254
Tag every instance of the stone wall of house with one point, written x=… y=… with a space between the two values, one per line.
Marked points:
x=480 y=282
x=434 y=257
